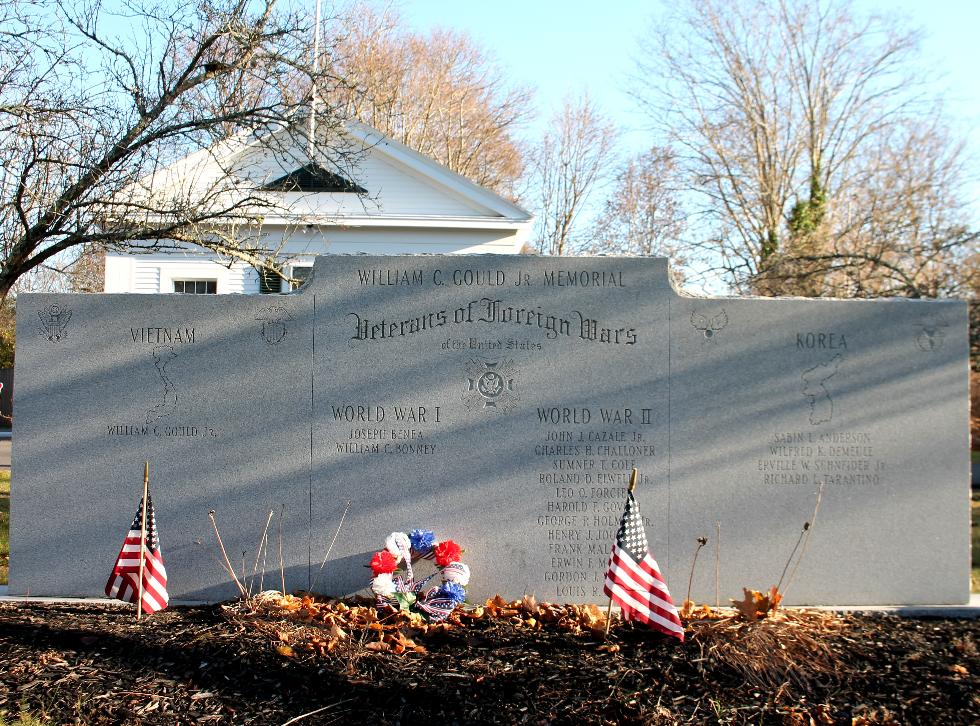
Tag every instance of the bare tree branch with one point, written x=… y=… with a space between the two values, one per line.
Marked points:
x=820 y=164
x=438 y=93
x=93 y=113
x=643 y=213
x=572 y=160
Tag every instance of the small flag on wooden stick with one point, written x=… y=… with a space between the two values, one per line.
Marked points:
x=139 y=574
x=633 y=578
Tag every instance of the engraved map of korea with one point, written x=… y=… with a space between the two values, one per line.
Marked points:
x=816 y=390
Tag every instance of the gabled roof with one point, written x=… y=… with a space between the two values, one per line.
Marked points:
x=392 y=185
x=436 y=172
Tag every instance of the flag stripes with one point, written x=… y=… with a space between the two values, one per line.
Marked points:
x=648 y=605
x=633 y=578
x=625 y=575
x=123 y=582
x=633 y=608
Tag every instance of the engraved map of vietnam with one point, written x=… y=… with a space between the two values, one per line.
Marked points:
x=164 y=343
x=169 y=414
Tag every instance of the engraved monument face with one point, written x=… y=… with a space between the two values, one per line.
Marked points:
x=501 y=401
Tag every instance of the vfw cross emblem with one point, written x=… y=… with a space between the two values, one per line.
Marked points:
x=491 y=385
x=274 y=322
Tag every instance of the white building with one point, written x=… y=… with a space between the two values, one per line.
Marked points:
x=397 y=201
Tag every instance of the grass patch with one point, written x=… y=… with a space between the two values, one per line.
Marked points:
x=4 y=525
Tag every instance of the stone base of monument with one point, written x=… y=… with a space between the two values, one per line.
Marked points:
x=969 y=610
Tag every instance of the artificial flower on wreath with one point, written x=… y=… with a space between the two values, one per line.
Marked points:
x=403 y=592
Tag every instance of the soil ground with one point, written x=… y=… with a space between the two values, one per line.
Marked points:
x=93 y=664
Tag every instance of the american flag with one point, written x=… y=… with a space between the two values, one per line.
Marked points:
x=123 y=583
x=633 y=579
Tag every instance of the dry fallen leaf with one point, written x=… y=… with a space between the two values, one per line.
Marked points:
x=474 y=614
x=755 y=605
x=775 y=597
x=876 y=718
x=285 y=651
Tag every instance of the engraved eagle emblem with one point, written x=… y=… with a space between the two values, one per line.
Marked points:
x=709 y=326
x=54 y=322
x=932 y=334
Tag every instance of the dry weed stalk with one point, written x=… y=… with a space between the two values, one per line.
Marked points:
x=717 y=564
x=702 y=541
x=227 y=562
x=330 y=548
x=263 y=544
x=807 y=529
x=282 y=562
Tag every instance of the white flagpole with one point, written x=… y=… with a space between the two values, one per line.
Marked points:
x=311 y=141
x=146 y=489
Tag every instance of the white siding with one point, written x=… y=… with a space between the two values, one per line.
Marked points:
x=398 y=181
x=235 y=278
x=400 y=191
x=412 y=206
x=250 y=281
x=118 y=273
x=416 y=241
x=156 y=273
x=146 y=276
x=394 y=240
x=392 y=189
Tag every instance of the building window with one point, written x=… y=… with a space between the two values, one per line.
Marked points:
x=196 y=287
x=269 y=282
x=314 y=178
x=272 y=284
x=300 y=274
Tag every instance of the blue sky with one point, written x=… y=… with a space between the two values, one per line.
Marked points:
x=556 y=47
x=566 y=47
x=562 y=48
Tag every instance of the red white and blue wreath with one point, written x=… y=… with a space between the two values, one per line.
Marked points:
x=402 y=591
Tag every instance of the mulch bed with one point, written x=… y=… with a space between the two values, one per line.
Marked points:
x=92 y=664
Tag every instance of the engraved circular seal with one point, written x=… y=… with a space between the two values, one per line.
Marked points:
x=491 y=384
